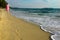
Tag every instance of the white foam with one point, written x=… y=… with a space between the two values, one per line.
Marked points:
x=46 y=24
x=55 y=37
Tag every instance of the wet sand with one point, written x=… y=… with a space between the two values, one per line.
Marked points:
x=12 y=28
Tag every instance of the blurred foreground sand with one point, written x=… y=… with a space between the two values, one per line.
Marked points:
x=12 y=28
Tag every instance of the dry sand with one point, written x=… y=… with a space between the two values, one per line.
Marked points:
x=12 y=28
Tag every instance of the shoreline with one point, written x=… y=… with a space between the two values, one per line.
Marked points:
x=12 y=28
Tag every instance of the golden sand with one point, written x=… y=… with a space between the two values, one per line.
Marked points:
x=12 y=28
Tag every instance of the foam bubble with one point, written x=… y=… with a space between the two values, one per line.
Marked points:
x=55 y=37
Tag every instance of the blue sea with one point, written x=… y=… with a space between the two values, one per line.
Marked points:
x=47 y=18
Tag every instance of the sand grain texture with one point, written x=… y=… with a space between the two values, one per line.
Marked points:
x=12 y=28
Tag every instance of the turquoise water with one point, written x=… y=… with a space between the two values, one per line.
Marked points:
x=48 y=19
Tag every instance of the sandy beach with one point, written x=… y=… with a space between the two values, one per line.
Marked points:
x=12 y=28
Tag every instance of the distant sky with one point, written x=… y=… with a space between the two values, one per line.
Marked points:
x=34 y=3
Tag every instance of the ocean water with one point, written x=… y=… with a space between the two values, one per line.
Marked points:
x=48 y=19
